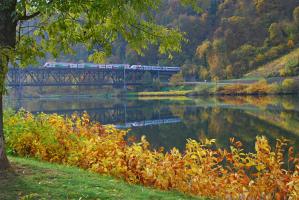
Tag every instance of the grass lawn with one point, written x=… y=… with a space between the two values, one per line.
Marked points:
x=165 y=93
x=32 y=179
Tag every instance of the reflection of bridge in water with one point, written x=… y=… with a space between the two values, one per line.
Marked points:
x=121 y=115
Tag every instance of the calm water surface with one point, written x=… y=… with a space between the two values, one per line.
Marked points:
x=169 y=123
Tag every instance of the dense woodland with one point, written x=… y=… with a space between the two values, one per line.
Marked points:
x=226 y=40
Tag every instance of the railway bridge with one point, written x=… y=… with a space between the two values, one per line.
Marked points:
x=41 y=76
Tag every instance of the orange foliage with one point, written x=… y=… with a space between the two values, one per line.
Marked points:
x=232 y=89
x=200 y=170
x=261 y=87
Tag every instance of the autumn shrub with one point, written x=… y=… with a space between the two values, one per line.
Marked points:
x=283 y=72
x=202 y=169
x=288 y=85
x=261 y=87
x=291 y=68
x=232 y=89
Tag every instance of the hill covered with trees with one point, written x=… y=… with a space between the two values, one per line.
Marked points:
x=228 y=39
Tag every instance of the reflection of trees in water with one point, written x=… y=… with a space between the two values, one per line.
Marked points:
x=178 y=111
x=243 y=118
x=264 y=102
x=74 y=103
x=221 y=124
x=166 y=135
x=287 y=120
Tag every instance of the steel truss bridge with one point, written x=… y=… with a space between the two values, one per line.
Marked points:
x=17 y=77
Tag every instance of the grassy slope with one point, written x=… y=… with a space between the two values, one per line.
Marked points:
x=49 y=181
x=273 y=66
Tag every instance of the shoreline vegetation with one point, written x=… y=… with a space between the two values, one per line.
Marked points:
x=287 y=86
x=201 y=170
x=32 y=179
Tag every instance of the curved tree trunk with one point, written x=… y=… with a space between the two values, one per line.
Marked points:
x=8 y=23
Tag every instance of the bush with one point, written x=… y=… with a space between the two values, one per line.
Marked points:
x=260 y=58
x=261 y=87
x=293 y=63
x=201 y=170
x=291 y=68
x=176 y=79
x=276 y=51
x=288 y=85
x=283 y=72
x=232 y=89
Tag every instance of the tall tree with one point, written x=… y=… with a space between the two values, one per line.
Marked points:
x=35 y=28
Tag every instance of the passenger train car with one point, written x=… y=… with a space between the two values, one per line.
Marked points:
x=109 y=66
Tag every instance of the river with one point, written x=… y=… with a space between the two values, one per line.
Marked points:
x=169 y=123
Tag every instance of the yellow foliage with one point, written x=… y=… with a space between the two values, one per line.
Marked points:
x=261 y=87
x=288 y=84
x=291 y=44
x=232 y=89
x=200 y=170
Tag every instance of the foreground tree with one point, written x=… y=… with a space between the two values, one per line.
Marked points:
x=34 y=28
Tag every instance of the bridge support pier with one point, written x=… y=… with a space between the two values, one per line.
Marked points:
x=19 y=92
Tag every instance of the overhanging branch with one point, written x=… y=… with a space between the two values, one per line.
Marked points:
x=33 y=15
x=28 y=17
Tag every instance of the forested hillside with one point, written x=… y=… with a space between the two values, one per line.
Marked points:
x=228 y=39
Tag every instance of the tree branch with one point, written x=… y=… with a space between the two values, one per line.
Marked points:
x=28 y=17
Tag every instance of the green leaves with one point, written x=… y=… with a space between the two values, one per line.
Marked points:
x=94 y=24
x=194 y=3
x=98 y=57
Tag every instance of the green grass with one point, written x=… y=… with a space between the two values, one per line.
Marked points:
x=165 y=93
x=32 y=179
x=274 y=66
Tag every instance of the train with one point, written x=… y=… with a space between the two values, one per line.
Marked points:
x=109 y=66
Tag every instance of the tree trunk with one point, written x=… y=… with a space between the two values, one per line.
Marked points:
x=4 y=163
x=8 y=23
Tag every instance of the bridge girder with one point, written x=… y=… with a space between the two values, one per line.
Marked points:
x=17 y=77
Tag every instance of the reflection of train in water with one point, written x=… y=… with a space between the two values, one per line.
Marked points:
x=109 y=66
x=150 y=123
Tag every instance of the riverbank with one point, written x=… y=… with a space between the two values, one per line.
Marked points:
x=172 y=93
x=201 y=169
x=240 y=87
x=31 y=179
